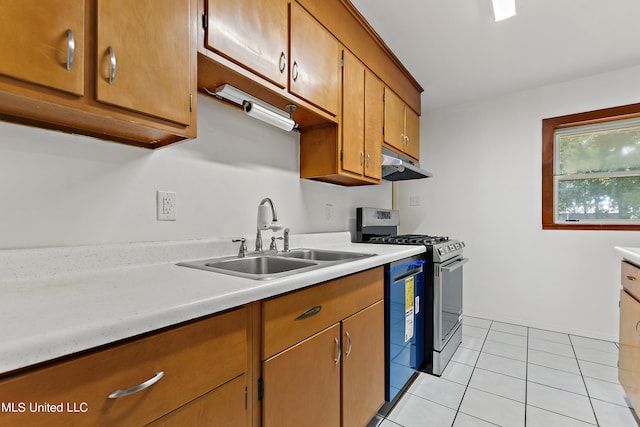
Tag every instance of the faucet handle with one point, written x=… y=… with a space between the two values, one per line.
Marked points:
x=286 y=239
x=242 y=252
x=273 y=246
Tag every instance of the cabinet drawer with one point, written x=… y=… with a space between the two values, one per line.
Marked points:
x=293 y=317
x=631 y=279
x=195 y=358
x=629 y=358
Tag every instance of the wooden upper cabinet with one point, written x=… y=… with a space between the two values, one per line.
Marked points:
x=314 y=61
x=144 y=57
x=373 y=125
x=393 y=120
x=412 y=133
x=43 y=43
x=353 y=108
x=401 y=125
x=362 y=118
x=251 y=34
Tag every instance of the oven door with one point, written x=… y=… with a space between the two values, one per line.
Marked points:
x=447 y=300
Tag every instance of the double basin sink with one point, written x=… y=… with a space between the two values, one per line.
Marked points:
x=271 y=265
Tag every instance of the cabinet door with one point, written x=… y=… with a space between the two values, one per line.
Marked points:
x=38 y=40
x=314 y=61
x=353 y=110
x=144 y=57
x=224 y=406
x=393 y=120
x=629 y=358
x=252 y=34
x=362 y=365
x=302 y=384
x=412 y=143
x=373 y=125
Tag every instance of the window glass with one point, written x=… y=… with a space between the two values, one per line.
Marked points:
x=597 y=173
x=610 y=147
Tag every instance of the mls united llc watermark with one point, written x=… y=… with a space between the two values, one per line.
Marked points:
x=44 y=407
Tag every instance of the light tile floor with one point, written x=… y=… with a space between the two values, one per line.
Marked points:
x=510 y=375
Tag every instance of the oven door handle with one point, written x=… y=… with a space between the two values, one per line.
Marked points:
x=456 y=265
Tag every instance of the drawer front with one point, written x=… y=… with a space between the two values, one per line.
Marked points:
x=629 y=359
x=631 y=279
x=195 y=358
x=291 y=318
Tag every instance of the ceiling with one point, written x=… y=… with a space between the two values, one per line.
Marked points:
x=459 y=54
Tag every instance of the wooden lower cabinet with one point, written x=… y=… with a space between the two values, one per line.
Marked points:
x=629 y=356
x=363 y=365
x=334 y=376
x=195 y=359
x=220 y=407
x=302 y=384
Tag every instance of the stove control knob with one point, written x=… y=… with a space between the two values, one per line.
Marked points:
x=457 y=245
x=452 y=247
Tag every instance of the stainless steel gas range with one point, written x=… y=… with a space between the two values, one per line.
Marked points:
x=443 y=269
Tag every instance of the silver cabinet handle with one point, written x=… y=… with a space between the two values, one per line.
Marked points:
x=294 y=71
x=349 y=341
x=361 y=158
x=637 y=332
x=148 y=383
x=71 y=49
x=283 y=62
x=338 y=352
x=112 y=65
x=368 y=160
x=631 y=278
x=311 y=312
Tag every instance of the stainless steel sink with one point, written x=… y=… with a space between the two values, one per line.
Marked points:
x=322 y=255
x=274 y=265
x=256 y=267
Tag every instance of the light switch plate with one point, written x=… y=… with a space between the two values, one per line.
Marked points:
x=166 y=205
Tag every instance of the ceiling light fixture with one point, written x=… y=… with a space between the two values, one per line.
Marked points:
x=503 y=9
x=256 y=108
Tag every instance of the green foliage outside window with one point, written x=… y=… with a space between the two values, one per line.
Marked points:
x=598 y=173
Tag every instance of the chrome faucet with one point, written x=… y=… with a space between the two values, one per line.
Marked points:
x=263 y=221
x=242 y=252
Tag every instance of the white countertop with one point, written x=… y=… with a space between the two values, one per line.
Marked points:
x=630 y=254
x=120 y=291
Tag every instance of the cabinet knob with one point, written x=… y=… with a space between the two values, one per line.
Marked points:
x=294 y=71
x=282 y=65
x=112 y=65
x=71 y=49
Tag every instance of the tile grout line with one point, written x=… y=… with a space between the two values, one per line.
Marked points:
x=470 y=376
x=526 y=380
x=583 y=380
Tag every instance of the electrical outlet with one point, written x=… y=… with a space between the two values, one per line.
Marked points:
x=414 y=201
x=166 y=205
x=328 y=212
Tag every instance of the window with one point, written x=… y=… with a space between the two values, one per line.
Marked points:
x=591 y=170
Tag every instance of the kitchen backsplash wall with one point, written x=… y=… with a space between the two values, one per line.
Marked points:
x=486 y=190
x=64 y=190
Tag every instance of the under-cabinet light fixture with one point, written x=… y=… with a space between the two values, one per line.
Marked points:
x=256 y=108
x=503 y=9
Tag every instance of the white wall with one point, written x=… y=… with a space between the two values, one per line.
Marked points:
x=61 y=190
x=486 y=190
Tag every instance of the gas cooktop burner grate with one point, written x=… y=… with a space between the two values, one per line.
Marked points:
x=409 y=239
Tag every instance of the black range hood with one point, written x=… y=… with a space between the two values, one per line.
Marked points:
x=396 y=167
